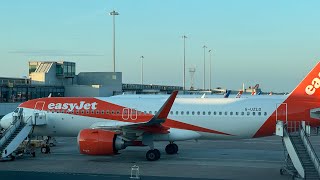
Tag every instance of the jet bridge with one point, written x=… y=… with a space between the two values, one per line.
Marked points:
x=301 y=161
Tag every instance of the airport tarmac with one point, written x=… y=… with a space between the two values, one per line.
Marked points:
x=259 y=158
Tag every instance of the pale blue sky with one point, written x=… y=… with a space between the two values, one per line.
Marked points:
x=274 y=43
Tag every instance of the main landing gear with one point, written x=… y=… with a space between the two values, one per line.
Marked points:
x=172 y=148
x=153 y=155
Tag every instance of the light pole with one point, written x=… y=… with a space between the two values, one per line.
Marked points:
x=210 y=69
x=114 y=13
x=141 y=70
x=204 y=67
x=184 y=62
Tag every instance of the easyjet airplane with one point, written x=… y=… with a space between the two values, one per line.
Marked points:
x=106 y=125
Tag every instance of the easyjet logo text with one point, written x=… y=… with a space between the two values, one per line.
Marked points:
x=73 y=106
x=315 y=84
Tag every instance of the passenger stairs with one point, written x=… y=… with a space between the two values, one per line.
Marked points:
x=12 y=137
x=301 y=160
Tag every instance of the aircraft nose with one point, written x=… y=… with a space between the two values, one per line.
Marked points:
x=5 y=122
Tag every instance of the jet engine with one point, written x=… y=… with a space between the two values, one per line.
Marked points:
x=99 y=142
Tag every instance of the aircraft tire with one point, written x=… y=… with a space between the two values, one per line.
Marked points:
x=45 y=149
x=172 y=149
x=176 y=148
x=158 y=153
x=153 y=155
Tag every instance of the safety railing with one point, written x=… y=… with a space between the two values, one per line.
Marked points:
x=17 y=120
x=289 y=135
x=310 y=150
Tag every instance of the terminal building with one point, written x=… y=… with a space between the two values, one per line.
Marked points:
x=59 y=79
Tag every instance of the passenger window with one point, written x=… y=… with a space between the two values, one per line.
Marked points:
x=87 y=111
x=112 y=112
x=177 y=112
x=209 y=113
x=265 y=113
x=242 y=113
x=226 y=113
x=259 y=113
x=187 y=112
x=97 y=111
x=214 y=113
x=220 y=113
x=118 y=112
x=145 y=112
x=231 y=113
x=248 y=113
x=155 y=112
x=171 y=112
x=181 y=112
x=150 y=112
x=198 y=112
x=203 y=113
x=107 y=111
x=192 y=112
x=92 y=112
x=82 y=112
x=237 y=113
x=253 y=113
x=102 y=112
x=76 y=112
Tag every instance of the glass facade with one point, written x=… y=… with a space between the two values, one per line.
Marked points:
x=66 y=69
x=25 y=93
x=33 y=66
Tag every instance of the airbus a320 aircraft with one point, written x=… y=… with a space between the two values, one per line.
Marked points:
x=106 y=125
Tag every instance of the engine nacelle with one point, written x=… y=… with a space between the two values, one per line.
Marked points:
x=99 y=142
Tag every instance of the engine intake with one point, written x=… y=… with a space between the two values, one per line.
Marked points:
x=99 y=142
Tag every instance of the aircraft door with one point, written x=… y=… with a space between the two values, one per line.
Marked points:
x=39 y=117
x=125 y=113
x=282 y=112
x=39 y=106
x=134 y=114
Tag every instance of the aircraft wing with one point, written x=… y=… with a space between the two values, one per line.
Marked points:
x=154 y=125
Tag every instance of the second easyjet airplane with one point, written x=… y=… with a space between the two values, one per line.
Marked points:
x=105 y=125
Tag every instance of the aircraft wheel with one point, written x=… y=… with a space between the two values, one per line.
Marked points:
x=176 y=148
x=158 y=153
x=172 y=149
x=45 y=149
x=153 y=155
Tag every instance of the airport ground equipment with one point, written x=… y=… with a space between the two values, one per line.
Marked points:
x=12 y=138
x=135 y=172
x=301 y=161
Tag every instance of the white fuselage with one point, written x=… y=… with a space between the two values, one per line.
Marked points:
x=239 y=117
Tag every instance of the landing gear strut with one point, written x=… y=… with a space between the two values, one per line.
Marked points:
x=172 y=148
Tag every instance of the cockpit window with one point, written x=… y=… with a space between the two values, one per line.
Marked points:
x=16 y=110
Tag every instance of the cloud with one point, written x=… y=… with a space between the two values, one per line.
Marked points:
x=53 y=53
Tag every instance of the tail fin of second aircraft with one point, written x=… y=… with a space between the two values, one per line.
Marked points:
x=227 y=93
x=239 y=94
